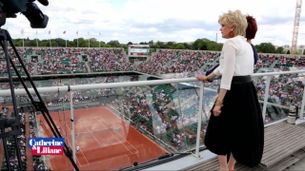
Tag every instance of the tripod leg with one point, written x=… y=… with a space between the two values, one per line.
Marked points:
x=6 y=154
x=40 y=105
x=4 y=45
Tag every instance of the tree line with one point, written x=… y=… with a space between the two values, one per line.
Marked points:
x=199 y=44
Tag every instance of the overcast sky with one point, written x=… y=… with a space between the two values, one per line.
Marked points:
x=164 y=20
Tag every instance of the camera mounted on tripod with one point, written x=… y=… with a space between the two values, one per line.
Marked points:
x=9 y=8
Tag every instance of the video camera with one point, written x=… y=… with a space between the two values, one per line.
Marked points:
x=9 y=8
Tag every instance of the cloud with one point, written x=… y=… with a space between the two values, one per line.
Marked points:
x=164 y=20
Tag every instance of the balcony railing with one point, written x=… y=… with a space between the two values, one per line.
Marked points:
x=152 y=119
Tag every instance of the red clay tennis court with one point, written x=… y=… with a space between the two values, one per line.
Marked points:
x=106 y=141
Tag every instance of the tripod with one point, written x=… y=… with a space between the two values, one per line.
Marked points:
x=14 y=126
x=38 y=103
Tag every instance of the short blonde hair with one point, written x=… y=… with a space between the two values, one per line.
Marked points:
x=235 y=19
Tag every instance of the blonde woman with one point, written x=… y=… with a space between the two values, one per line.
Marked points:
x=235 y=130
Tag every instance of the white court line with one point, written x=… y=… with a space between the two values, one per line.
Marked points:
x=129 y=144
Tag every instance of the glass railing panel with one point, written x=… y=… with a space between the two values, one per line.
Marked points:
x=142 y=124
x=117 y=128
x=17 y=137
x=109 y=132
x=284 y=91
x=58 y=105
x=187 y=100
x=174 y=117
x=33 y=125
x=113 y=129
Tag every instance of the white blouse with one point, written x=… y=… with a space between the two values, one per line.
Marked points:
x=236 y=59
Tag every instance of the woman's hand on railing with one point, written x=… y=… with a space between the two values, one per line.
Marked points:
x=203 y=78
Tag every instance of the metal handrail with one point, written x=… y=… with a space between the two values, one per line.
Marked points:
x=67 y=88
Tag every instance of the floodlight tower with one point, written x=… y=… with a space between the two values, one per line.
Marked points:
x=296 y=27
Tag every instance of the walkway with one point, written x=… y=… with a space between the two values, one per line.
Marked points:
x=300 y=165
x=284 y=146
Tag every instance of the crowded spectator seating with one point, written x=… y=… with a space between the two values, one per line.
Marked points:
x=28 y=129
x=161 y=112
x=177 y=61
x=41 y=61
x=155 y=110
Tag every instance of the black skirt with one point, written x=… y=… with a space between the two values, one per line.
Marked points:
x=239 y=129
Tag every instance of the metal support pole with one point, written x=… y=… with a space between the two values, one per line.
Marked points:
x=199 y=120
x=179 y=101
x=72 y=126
x=266 y=97
x=301 y=113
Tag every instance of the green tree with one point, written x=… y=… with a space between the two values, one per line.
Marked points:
x=265 y=48
x=30 y=43
x=187 y=45
x=94 y=42
x=103 y=44
x=279 y=50
x=60 y=42
x=151 y=43
x=170 y=45
x=44 y=43
x=214 y=46
x=160 y=45
x=18 y=42
x=179 y=46
x=114 y=43
x=200 y=44
x=82 y=42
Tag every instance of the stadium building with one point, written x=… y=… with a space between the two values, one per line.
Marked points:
x=140 y=111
